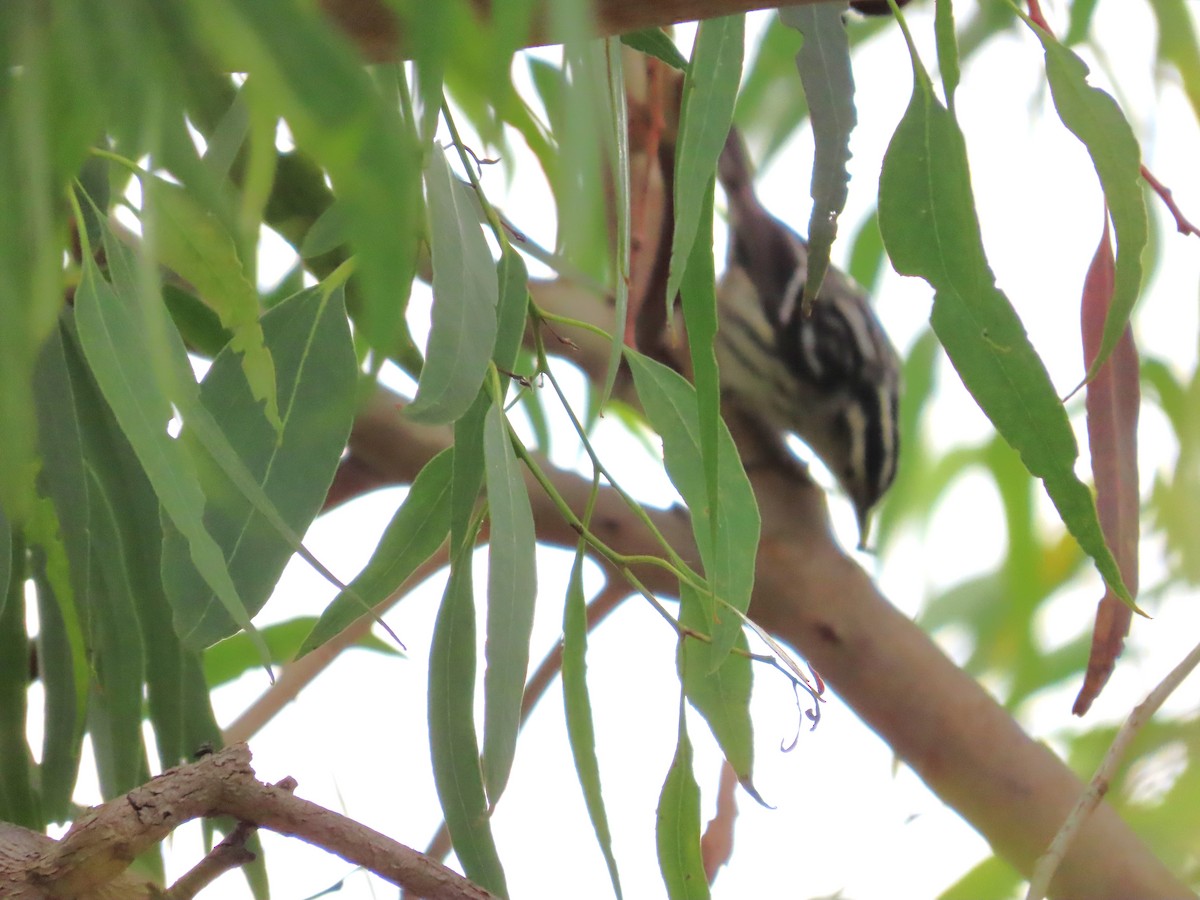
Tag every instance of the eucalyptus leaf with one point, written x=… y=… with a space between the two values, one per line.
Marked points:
x=465 y=293
x=512 y=588
x=825 y=74
x=928 y=221
x=309 y=338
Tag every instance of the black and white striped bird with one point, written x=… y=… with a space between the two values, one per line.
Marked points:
x=830 y=376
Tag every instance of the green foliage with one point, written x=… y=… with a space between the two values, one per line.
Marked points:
x=146 y=514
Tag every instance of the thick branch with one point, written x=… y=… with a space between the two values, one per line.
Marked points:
x=102 y=843
x=379 y=36
x=809 y=594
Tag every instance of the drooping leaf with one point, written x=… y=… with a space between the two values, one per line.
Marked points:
x=19 y=802
x=316 y=375
x=947 y=49
x=62 y=638
x=1113 y=401
x=657 y=43
x=670 y=404
x=825 y=74
x=465 y=293
x=719 y=690
x=577 y=704
x=512 y=587
x=311 y=75
x=709 y=91
x=235 y=656
x=113 y=464
x=452 y=741
x=1094 y=117
x=928 y=222
x=699 y=300
x=193 y=242
x=678 y=829
x=1177 y=44
x=415 y=532
x=118 y=658
x=114 y=345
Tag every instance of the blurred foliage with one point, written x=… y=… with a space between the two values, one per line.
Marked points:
x=137 y=176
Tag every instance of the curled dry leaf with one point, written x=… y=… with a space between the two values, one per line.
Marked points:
x=1113 y=397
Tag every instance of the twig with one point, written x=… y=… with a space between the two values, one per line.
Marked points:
x=230 y=854
x=1164 y=192
x=1048 y=863
x=297 y=675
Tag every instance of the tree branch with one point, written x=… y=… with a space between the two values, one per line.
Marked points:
x=810 y=595
x=98 y=849
x=379 y=36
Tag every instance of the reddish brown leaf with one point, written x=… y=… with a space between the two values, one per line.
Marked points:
x=716 y=846
x=1113 y=397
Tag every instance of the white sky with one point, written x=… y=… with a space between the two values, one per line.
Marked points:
x=356 y=739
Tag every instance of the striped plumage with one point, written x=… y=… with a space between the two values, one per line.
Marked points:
x=832 y=376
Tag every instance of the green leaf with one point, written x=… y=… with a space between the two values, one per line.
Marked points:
x=412 y=536
x=1177 y=44
x=578 y=707
x=657 y=43
x=192 y=242
x=1094 y=117
x=709 y=92
x=679 y=856
x=467 y=479
x=118 y=658
x=699 y=300
x=115 y=347
x=512 y=588
x=462 y=334
x=62 y=659
x=310 y=339
x=235 y=656
x=718 y=689
x=312 y=75
x=452 y=741
x=947 y=49
x=19 y=802
x=1079 y=23
x=6 y=558
x=114 y=463
x=824 y=66
x=326 y=234
x=512 y=307
x=928 y=222
x=670 y=405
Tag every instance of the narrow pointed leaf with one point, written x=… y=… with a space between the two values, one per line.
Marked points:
x=118 y=657
x=825 y=74
x=1094 y=117
x=928 y=222
x=670 y=404
x=18 y=796
x=657 y=43
x=577 y=704
x=709 y=92
x=720 y=692
x=678 y=830
x=465 y=292
x=1113 y=399
x=699 y=296
x=310 y=340
x=113 y=344
x=512 y=587
x=235 y=656
x=195 y=244
x=413 y=535
x=452 y=740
